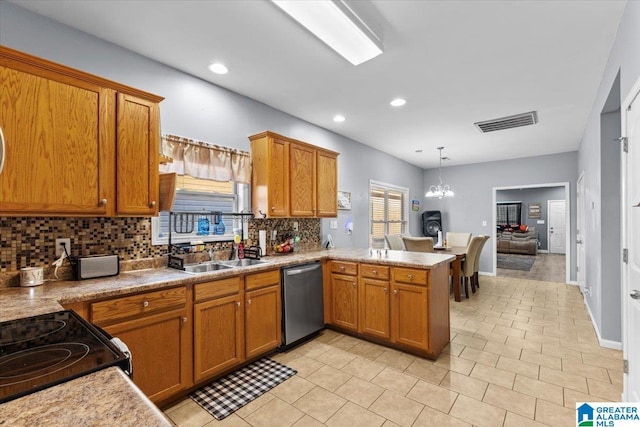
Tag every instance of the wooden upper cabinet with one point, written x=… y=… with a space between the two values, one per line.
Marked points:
x=302 y=172
x=326 y=184
x=137 y=156
x=59 y=143
x=66 y=149
x=291 y=178
x=270 y=176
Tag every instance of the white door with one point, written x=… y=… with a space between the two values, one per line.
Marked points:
x=580 y=243
x=556 y=231
x=630 y=241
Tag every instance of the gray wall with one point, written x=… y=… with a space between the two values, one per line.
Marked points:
x=200 y=110
x=534 y=195
x=624 y=60
x=474 y=184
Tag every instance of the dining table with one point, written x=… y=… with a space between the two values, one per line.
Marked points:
x=460 y=252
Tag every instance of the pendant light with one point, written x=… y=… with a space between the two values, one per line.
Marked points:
x=440 y=190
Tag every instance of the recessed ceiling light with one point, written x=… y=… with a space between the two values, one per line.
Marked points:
x=418 y=151
x=218 y=68
x=338 y=118
x=398 y=102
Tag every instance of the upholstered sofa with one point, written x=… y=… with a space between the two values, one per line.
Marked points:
x=518 y=242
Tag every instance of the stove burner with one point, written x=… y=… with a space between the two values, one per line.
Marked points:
x=29 y=330
x=38 y=362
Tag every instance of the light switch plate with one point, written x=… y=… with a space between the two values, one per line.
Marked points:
x=540 y=221
x=334 y=225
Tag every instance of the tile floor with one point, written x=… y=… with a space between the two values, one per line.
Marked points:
x=547 y=267
x=522 y=352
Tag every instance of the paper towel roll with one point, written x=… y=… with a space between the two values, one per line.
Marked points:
x=440 y=242
x=262 y=239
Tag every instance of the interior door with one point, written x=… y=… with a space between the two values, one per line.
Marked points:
x=630 y=232
x=580 y=242
x=557 y=230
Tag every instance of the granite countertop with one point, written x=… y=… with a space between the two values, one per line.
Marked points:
x=108 y=397
x=104 y=398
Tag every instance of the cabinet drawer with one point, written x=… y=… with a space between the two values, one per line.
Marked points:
x=410 y=275
x=260 y=280
x=343 y=267
x=121 y=308
x=372 y=271
x=217 y=288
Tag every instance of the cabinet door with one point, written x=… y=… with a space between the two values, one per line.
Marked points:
x=374 y=308
x=161 y=352
x=344 y=301
x=59 y=144
x=278 y=178
x=409 y=315
x=137 y=156
x=218 y=336
x=302 y=172
x=326 y=184
x=263 y=320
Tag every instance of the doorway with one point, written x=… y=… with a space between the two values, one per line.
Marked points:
x=534 y=217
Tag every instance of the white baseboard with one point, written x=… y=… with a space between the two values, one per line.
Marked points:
x=486 y=273
x=615 y=345
x=543 y=251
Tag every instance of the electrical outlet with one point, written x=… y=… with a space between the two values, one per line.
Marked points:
x=59 y=247
x=295 y=225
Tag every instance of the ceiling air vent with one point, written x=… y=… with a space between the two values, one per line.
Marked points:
x=524 y=119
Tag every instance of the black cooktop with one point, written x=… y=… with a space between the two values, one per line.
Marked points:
x=41 y=351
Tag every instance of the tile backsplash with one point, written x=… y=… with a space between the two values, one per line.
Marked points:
x=30 y=241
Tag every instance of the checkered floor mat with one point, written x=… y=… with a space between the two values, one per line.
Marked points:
x=228 y=394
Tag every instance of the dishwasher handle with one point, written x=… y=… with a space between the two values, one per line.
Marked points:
x=296 y=271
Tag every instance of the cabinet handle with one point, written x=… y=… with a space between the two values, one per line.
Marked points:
x=410 y=276
x=395 y=292
x=184 y=319
x=238 y=303
x=145 y=304
x=2 y=151
x=374 y=272
x=353 y=284
x=152 y=204
x=273 y=208
x=386 y=290
x=342 y=268
x=103 y=202
x=249 y=301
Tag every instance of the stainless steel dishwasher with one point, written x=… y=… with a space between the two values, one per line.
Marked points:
x=302 y=307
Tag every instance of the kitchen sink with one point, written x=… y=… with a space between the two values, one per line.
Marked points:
x=243 y=262
x=205 y=267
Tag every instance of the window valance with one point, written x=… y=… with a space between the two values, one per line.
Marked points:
x=204 y=160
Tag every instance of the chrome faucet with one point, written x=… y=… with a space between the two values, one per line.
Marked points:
x=212 y=253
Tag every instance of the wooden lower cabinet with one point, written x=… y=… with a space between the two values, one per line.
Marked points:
x=409 y=316
x=374 y=308
x=406 y=308
x=344 y=301
x=263 y=320
x=160 y=347
x=218 y=335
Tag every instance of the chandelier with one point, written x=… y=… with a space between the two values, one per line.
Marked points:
x=440 y=190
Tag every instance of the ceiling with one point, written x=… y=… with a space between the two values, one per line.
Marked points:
x=455 y=62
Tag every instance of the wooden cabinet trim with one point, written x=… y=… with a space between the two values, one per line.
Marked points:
x=410 y=275
x=373 y=271
x=344 y=267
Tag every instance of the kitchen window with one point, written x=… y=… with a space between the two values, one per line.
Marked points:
x=388 y=210
x=198 y=195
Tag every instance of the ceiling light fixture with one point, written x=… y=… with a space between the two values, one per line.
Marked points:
x=218 y=68
x=398 y=102
x=338 y=118
x=336 y=24
x=440 y=190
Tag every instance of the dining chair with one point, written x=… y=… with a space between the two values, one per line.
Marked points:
x=476 y=280
x=418 y=244
x=458 y=239
x=394 y=242
x=468 y=265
